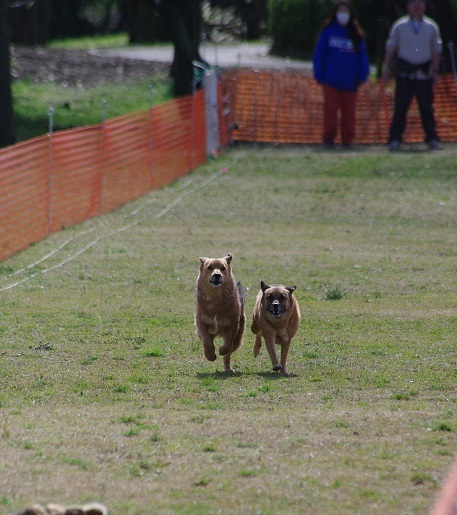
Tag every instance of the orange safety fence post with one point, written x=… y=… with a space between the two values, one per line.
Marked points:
x=151 y=141
x=51 y=120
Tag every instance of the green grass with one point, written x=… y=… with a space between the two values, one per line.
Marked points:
x=76 y=106
x=105 y=393
x=120 y=39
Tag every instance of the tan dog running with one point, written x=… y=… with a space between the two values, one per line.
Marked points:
x=219 y=308
x=276 y=317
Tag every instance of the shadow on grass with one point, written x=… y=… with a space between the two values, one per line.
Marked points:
x=233 y=375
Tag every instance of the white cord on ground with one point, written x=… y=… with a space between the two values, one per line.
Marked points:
x=178 y=200
x=47 y=256
x=83 y=233
x=122 y=229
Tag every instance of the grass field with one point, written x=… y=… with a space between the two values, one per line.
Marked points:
x=104 y=390
x=76 y=105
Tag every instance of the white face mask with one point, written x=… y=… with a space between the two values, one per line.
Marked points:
x=343 y=17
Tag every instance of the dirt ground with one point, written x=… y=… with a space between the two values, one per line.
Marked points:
x=78 y=67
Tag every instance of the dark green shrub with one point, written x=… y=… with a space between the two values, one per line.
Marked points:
x=295 y=24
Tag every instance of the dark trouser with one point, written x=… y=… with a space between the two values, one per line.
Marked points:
x=405 y=90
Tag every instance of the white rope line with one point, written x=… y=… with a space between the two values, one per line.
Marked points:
x=62 y=263
x=140 y=208
x=47 y=256
x=116 y=231
x=178 y=200
x=83 y=233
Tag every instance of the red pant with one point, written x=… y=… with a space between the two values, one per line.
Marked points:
x=345 y=101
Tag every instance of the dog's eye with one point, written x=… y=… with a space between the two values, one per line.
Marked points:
x=223 y=268
x=283 y=296
x=210 y=267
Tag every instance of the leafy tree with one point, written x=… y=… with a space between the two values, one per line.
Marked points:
x=294 y=24
x=252 y=12
x=444 y=13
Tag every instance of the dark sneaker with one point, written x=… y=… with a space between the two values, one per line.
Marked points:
x=393 y=145
x=435 y=145
x=329 y=143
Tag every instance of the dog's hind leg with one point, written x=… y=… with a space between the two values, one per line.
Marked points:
x=236 y=344
x=257 y=345
x=232 y=340
x=239 y=335
x=255 y=328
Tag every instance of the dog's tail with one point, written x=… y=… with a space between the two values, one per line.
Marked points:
x=242 y=293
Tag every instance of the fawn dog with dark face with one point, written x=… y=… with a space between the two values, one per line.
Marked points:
x=276 y=317
x=219 y=308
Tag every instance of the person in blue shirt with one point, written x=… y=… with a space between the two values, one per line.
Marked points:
x=340 y=64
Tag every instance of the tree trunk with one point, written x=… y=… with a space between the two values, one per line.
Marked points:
x=31 y=25
x=254 y=13
x=183 y=21
x=7 y=132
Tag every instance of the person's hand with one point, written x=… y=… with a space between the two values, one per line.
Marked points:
x=387 y=75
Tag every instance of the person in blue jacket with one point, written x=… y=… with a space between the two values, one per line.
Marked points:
x=340 y=64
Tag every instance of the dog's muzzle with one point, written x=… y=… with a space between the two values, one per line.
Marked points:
x=275 y=308
x=215 y=279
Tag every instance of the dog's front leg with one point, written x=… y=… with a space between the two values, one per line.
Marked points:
x=207 y=340
x=284 y=351
x=270 y=345
x=257 y=345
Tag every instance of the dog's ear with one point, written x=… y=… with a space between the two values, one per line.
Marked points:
x=291 y=289
x=203 y=260
x=263 y=286
x=228 y=258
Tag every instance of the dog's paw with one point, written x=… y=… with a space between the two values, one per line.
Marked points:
x=210 y=356
x=277 y=368
x=256 y=350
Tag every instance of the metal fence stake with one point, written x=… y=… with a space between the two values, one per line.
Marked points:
x=151 y=140
x=102 y=171
x=51 y=129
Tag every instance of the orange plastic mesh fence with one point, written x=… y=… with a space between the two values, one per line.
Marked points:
x=55 y=181
x=75 y=176
x=24 y=190
x=287 y=107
